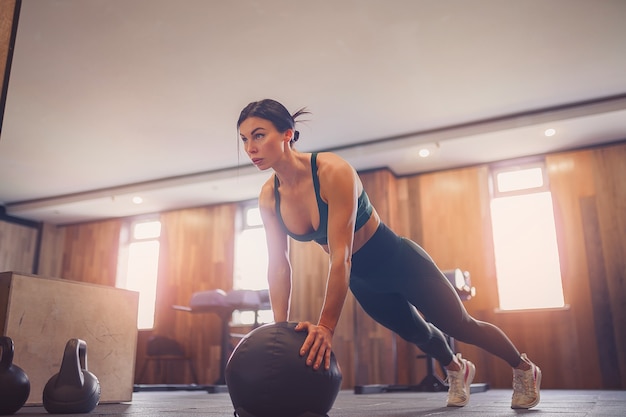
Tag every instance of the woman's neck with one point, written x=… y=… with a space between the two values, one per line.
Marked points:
x=293 y=168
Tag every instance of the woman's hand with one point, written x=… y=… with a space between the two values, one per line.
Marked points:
x=318 y=344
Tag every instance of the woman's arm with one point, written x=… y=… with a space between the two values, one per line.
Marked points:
x=279 y=268
x=341 y=194
x=339 y=186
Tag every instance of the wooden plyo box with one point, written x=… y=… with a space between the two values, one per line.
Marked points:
x=42 y=314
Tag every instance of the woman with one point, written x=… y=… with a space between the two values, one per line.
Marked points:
x=320 y=197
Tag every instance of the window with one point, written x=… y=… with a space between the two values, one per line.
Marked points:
x=251 y=260
x=138 y=265
x=524 y=234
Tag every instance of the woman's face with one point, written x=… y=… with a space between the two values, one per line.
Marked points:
x=262 y=142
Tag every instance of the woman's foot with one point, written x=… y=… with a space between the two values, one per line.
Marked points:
x=459 y=382
x=526 y=384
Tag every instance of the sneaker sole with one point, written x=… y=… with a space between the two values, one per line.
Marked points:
x=534 y=403
x=469 y=383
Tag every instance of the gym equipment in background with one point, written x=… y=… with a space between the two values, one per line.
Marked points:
x=223 y=304
x=14 y=383
x=267 y=377
x=162 y=352
x=74 y=389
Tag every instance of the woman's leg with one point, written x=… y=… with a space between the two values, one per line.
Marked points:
x=389 y=272
x=425 y=286
x=395 y=313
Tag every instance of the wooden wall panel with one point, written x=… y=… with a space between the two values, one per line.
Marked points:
x=51 y=254
x=609 y=180
x=571 y=181
x=7 y=9
x=411 y=370
x=376 y=346
x=196 y=254
x=91 y=251
x=454 y=208
x=310 y=273
x=17 y=247
x=599 y=293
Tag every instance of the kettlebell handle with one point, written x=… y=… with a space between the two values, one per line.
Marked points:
x=8 y=348
x=74 y=363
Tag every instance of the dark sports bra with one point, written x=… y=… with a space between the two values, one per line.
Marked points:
x=363 y=213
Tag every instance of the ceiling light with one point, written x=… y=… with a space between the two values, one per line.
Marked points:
x=137 y=200
x=549 y=132
x=424 y=153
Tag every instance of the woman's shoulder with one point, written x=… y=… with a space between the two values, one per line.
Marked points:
x=332 y=162
x=335 y=173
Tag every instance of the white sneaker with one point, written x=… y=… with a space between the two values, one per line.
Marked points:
x=459 y=383
x=526 y=386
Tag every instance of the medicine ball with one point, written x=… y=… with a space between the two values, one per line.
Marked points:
x=267 y=377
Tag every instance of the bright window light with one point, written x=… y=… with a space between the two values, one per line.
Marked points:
x=141 y=277
x=253 y=217
x=251 y=260
x=519 y=179
x=251 y=263
x=526 y=252
x=138 y=267
x=147 y=230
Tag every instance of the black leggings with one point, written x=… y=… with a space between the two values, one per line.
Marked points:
x=393 y=277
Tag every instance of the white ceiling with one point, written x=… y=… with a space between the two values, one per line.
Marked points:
x=109 y=99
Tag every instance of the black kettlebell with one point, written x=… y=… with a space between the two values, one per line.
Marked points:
x=14 y=383
x=74 y=389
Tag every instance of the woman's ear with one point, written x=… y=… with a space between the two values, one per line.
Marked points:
x=288 y=135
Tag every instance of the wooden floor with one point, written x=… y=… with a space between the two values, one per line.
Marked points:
x=393 y=404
